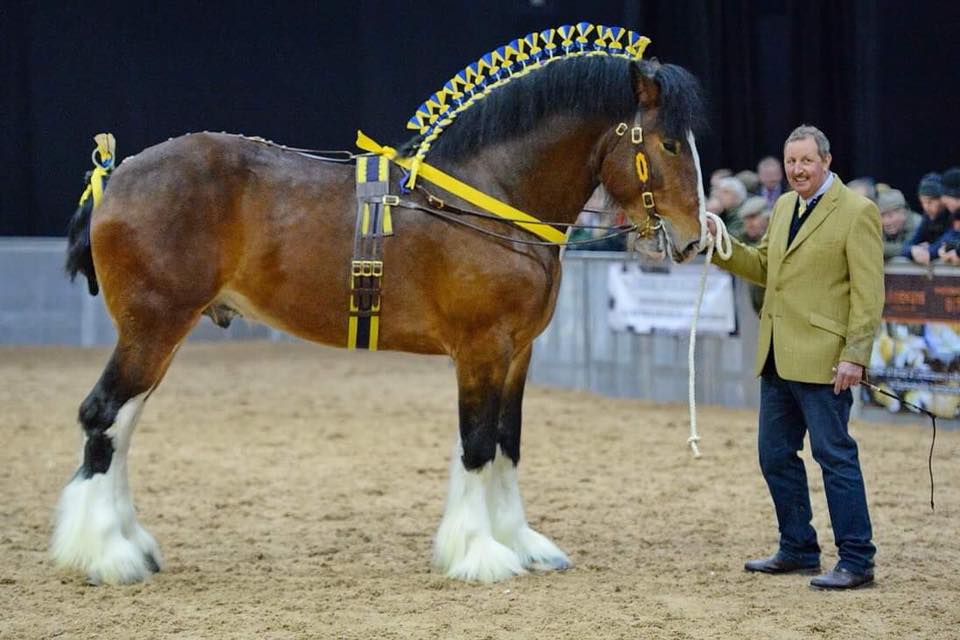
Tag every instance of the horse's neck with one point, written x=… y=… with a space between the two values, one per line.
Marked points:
x=549 y=173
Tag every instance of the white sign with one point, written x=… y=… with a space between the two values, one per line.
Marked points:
x=642 y=302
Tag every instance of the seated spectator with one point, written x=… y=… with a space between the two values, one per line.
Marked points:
x=771 y=179
x=899 y=224
x=866 y=186
x=945 y=247
x=750 y=180
x=596 y=218
x=731 y=193
x=755 y=215
x=719 y=175
x=935 y=219
x=948 y=245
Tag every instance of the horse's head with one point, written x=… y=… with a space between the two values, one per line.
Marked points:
x=651 y=168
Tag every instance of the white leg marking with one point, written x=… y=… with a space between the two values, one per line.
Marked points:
x=465 y=547
x=96 y=529
x=536 y=551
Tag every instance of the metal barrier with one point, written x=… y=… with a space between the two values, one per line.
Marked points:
x=580 y=350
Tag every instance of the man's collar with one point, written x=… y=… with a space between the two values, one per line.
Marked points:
x=823 y=188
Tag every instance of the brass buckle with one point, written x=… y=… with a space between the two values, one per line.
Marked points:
x=636 y=135
x=648 y=200
x=392 y=201
x=367 y=268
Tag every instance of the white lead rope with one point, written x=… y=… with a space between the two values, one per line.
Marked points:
x=724 y=248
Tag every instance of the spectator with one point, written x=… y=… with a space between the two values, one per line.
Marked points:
x=948 y=246
x=771 y=179
x=731 y=193
x=899 y=224
x=750 y=180
x=945 y=247
x=935 y=220
x=866 y=186
x=719 y=175
x=755 y=215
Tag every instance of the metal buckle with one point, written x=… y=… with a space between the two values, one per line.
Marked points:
x=648 y=200
x=621 y=128
x=391 y=200
x=367 y=268
x=636 y=135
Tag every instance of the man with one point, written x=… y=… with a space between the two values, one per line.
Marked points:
x=899 y=224
x=946 y=246
x=935 y=220
x=754 y=214
x=771 y=179
x=730 y=193
x=821 y=261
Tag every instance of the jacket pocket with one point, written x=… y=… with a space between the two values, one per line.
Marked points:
x=828 y=324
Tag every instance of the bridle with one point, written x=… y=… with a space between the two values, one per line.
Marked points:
x=653 y=223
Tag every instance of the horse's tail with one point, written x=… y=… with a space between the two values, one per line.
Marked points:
x=79 y=247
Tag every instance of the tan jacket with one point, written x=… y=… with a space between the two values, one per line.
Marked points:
x=825 y=293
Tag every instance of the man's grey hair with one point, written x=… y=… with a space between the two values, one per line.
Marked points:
x=809 y=131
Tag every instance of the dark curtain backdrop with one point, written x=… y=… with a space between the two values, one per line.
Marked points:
x=880 y=77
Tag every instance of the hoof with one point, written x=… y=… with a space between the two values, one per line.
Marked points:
x=538 y=553
x=486 y=560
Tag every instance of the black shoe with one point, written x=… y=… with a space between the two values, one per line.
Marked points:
x=842 y=579
x=778 y=564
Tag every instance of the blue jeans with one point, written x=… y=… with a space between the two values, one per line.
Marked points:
x=788 y=410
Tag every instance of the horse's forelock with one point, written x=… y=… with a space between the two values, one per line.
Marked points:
x=682 y=107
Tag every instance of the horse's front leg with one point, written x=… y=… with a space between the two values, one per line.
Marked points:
x=465 y=546
x=536 y=551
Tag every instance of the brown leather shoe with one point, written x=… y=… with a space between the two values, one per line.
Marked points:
x=778 y=564
x=842 y=579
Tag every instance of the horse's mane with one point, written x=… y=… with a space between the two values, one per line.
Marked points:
x=582 y=86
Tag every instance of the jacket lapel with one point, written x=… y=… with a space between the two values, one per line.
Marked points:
x=826 y=206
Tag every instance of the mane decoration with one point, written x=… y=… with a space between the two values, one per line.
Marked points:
x=512 y=60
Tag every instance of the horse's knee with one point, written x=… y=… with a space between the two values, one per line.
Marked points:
x=98 y=413
x=479 y=448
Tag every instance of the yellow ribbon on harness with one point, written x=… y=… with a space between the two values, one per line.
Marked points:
x=106 y=149
x=465 y=191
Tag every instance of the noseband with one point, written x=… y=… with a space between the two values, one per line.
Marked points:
x=653 y=222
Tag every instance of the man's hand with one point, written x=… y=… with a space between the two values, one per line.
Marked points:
x=846 y=375
x=950 y=257
x=711 y=227
x=920 y=253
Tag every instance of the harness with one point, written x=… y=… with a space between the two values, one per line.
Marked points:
x=374 y=221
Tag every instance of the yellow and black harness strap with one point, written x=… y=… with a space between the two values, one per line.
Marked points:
x=374 y=223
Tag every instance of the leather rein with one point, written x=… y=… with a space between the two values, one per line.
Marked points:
x=437 y=207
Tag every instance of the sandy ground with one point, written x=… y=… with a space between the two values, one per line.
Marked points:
x=295 y=491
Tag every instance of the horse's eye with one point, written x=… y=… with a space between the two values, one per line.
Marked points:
x=671 y=146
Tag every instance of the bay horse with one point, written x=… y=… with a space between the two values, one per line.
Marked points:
x=214 y=223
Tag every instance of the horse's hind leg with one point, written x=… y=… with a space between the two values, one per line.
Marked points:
x=96 y=529
x=510 y=526
x=465 y=546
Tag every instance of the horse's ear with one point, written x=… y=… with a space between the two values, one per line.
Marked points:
x=644 y=87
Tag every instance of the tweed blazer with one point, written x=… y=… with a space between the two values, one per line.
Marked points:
x=824 y=293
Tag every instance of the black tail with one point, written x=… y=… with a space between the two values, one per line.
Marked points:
x=79 y=249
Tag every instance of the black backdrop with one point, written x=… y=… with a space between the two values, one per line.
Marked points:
x=880 y=77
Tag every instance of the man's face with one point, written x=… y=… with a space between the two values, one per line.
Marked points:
x=769 y=174
x=755 y=226
x=728 y=198
x=932 y=206
x=806 y=170
x=893 y=221
x=952 y=204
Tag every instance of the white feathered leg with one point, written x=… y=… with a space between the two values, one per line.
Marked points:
x=465 y=547
x=96 y=531
x=536 y=551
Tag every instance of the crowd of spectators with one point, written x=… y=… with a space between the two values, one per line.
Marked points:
x=744 y=201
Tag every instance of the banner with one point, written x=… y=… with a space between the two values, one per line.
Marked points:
x=646 y=301
x=915 y=354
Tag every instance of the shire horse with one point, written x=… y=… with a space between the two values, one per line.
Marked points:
x=210 y=223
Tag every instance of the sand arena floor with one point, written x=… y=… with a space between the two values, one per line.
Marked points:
x=295 y=490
